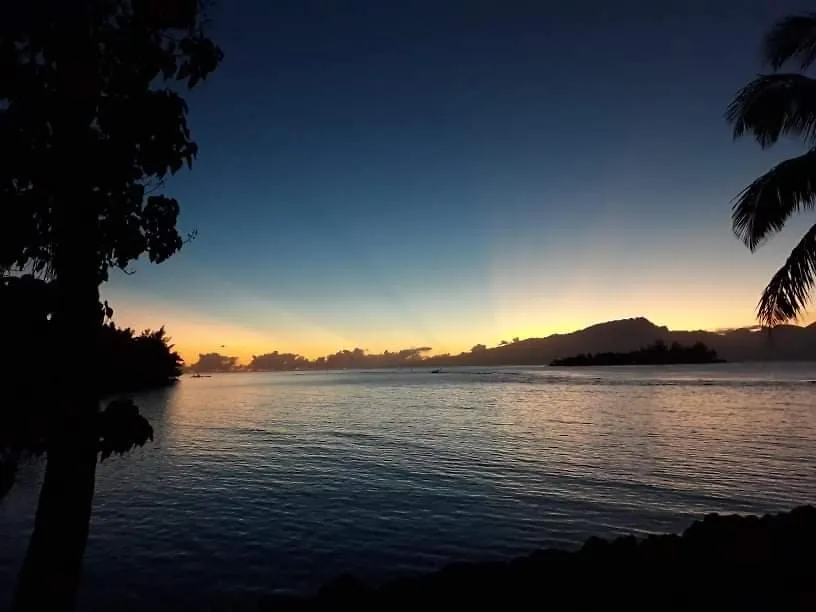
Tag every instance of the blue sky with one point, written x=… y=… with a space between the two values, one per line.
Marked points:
x=390 y=174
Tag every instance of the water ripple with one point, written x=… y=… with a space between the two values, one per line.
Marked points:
x=282 y=481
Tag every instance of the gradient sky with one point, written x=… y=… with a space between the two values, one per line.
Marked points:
x=442 y=173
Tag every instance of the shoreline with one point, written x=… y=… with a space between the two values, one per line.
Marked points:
x=447 y=369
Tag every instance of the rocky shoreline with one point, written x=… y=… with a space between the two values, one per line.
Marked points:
x=721 y=562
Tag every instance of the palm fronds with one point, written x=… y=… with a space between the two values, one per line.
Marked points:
x=788 y=293
x=763 y=207
x=774 y=105
x=792 y=38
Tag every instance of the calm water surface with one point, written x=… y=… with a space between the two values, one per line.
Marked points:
x=262 y=482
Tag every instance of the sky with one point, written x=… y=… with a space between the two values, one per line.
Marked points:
x=444 y=173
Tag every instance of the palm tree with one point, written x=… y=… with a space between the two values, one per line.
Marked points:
x=769 y=107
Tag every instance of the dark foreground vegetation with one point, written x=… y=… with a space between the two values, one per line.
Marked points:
x=93 y=120
x=656 y=354
x=721 y=562
x=127 y=361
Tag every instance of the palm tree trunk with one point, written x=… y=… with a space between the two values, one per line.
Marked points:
x=50 y=576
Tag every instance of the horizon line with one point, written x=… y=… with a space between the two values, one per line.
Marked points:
x=755 y=327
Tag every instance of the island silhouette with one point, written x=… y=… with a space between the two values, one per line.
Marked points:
x=656 y=354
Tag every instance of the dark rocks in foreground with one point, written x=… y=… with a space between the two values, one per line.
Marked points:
x=721 y=562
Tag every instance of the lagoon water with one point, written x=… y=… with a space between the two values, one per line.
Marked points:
x=279 y=482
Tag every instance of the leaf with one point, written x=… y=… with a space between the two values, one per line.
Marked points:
x=774 y=105
x=788 y=293
x=792 y=38
x=135 y=133
x=122 y=428
x=183 y=71
x=763 y=207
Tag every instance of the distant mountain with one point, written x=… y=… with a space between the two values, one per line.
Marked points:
x=785 y=343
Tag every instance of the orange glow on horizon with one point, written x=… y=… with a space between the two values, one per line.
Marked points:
x=194 y=333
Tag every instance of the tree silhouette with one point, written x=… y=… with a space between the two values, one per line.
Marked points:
x=127 y=362
x=134 y=362
x=91 y=122
x=655 y=354
x=26 y=306
x=214 y=362
x=769 y=107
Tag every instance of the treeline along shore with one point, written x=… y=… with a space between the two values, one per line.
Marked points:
x=612 y=339
x=126 y=361
x=655 y=354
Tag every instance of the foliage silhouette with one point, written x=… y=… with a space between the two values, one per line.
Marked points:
x=279 y=362
x=122 y=428
x=656 y=354
x=768 y=108
x=91 y=122
x=214 y=362
x=133 y=362
x=127 y=362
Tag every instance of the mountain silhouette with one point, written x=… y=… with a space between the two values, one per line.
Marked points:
x=784 y=343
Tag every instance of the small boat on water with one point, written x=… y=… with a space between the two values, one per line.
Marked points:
x=436 y=371
x=201 y=376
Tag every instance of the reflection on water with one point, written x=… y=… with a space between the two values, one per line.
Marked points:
x=282 y=481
